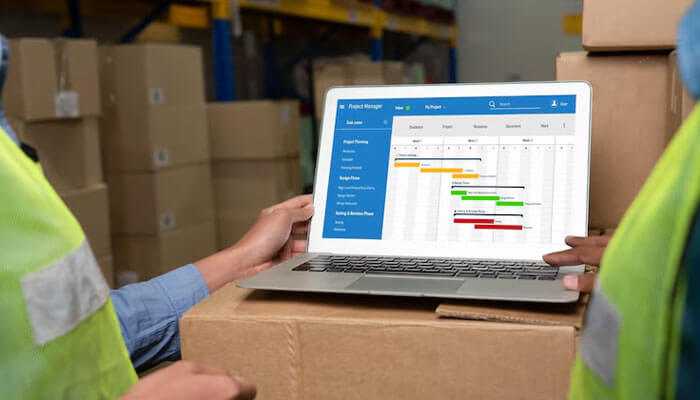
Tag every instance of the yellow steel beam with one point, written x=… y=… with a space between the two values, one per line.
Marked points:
x=418 y=26
x=353 y=14
x=324 y=10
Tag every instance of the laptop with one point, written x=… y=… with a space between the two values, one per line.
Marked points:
x=446 y=191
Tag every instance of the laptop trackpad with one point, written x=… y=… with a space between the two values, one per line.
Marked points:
x=406 y=285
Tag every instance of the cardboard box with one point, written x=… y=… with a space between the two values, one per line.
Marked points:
x=154 y=202
x=49 y=79
x=394 y=72
x=352 y=71
x=90 y=206
x=243 y=188
x=106 y=264
x=155 y=114
x=312 y=346
x=631 y=24
x=147 y=256
x=154 y=137
x=681 y=103
x=365 y=73
x=135 y=76
x=325 y=76
x=69 y=150
x=630 y=96
x=254 y=129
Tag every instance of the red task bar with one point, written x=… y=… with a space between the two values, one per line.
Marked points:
x=500 y=227
x=473 y=221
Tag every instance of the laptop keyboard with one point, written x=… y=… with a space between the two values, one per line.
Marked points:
x=461 y=268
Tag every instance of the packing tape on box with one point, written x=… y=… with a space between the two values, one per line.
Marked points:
x=67 y=102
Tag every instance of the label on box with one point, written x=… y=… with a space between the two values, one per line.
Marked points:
x=67 y=104
x=167 y=221
x=161 y=158
x=156 y=96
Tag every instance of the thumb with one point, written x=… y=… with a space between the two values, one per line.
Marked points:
x=301 y=214
x=247 y=391
x=583 y=283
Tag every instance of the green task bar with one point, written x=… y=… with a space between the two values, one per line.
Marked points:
x=459 y=192
x=481 y=198
x=510 y=203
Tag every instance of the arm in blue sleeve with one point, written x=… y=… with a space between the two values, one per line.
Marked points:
x=149 y=312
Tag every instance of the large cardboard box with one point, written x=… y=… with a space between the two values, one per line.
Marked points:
x=312 y=346
x=147 y=256
x=325 y=76
x=154 y=202
x=69 y=150
x=154 y=137
x=365 y=73
x=350 y=71
x=254 y=129
x=394 y=72
x=245 y=187
x=90 y=206
x=630 y=96
x=155 y=114
x=631 y=24
x=50 y=79
x=681 y=103
x=135 y=76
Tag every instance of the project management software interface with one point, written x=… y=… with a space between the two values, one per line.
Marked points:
x=452 y=170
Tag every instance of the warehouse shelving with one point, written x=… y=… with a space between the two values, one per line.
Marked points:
x=370 y=16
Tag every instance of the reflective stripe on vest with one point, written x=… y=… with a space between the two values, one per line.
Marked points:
x=631 y=338
x=73 y=282
x=60 y=336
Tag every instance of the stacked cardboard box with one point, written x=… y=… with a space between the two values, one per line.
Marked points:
x=53 y=102
x=349 y=71
x=255 y=160
x=156 y=153
x=631 y=25
x=633 y=96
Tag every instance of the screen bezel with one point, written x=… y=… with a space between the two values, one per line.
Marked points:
x=318 y=244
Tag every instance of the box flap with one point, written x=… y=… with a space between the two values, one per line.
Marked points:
x=522 y=313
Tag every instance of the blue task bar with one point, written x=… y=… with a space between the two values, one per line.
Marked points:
x=378 y=113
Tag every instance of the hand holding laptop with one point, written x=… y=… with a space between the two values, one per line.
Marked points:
x=278 y=234
x=584 y=250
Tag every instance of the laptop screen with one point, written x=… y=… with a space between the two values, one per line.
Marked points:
x=453 y=172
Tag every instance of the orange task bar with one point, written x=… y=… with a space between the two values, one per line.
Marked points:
x=407 y=164
x=440 y=170
x=465 y=176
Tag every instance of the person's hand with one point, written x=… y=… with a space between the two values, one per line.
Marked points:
x=278 y=234
x=185 y=380
x=584 y=250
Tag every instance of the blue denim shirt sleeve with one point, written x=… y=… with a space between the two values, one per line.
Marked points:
x=149 y=312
